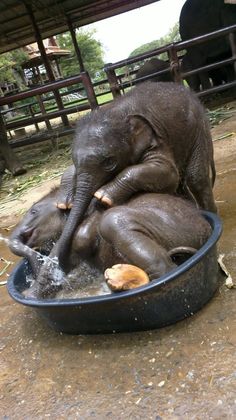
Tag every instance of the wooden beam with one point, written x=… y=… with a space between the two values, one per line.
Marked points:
x=45 y=59
x=75 y=43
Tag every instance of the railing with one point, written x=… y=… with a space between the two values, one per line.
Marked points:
x=90 y=102
x=115 y=83
x=58 y=84
x=174 y=68
x=39 y=111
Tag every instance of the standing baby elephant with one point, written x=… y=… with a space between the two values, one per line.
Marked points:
x=153 y=139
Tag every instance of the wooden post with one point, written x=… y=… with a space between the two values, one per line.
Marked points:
x=46 y=61
x=89 y=90
x=57 y=66
x=43 y=111
x=47 y=121
x=9 y=156
x=113 y=81
x=75 y=43
x=32 y=115
x=174 y=65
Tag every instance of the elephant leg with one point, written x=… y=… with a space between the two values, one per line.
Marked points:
x=205 y=81
x=194 y=82
x=120 y=227
x=232 y=40
x=67 y=189
x=157 y=176
x=85 y=239
x=199 y=182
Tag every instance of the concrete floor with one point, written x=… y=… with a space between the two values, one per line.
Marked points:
x=185 y=371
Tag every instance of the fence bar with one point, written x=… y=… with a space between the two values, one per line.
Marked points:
x=182 y=45
x=209 y=67
x=217 y=89
x=58 y=84
x=51 y=115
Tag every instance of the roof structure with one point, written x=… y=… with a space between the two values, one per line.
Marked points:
x=52 y=17
x=52 y=50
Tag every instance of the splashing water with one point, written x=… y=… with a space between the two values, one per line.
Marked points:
x=25 y=250
x=83 y=281
x=18 y=248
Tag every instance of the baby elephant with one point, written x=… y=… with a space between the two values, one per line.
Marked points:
x=147 y=232
x=152 y=66
x=153 y=139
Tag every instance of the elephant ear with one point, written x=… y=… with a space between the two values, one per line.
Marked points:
x=142 y=135
x=139 y=125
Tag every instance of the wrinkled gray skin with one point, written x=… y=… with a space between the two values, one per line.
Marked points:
x=32 y=231
x=145 y=232
x=152 y=66
x=153 y=139
x=199 y=17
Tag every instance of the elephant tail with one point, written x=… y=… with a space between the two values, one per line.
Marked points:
x=181 y=253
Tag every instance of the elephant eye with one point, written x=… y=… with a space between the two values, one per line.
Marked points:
x=109 y=163
x=33 y=211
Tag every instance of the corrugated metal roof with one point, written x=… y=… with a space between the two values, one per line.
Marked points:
x=51 y=16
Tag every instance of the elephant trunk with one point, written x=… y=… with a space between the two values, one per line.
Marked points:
x=17 y=247
x=85 y=188
x=35 y=258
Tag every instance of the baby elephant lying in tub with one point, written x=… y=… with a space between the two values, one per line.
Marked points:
x=148 y=232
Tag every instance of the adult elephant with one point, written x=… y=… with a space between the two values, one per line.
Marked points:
x=199 y=17
x=153 y=139
x=215 y=77
x=152 y=66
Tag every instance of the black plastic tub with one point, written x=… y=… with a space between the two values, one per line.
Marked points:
x=164 y=301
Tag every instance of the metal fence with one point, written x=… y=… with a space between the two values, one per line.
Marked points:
x=120 y=76
x=119 y=84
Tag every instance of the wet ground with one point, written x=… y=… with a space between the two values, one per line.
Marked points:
x=185 y=371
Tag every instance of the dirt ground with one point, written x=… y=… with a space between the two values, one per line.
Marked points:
x=185 y=371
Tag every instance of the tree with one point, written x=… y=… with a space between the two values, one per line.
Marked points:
x=171 y=36
x=10 y=63
x=91 y=51
x=6 y=68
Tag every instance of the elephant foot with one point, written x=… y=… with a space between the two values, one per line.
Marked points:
x=64 y=206
x=125 y=277
x=103 y=198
